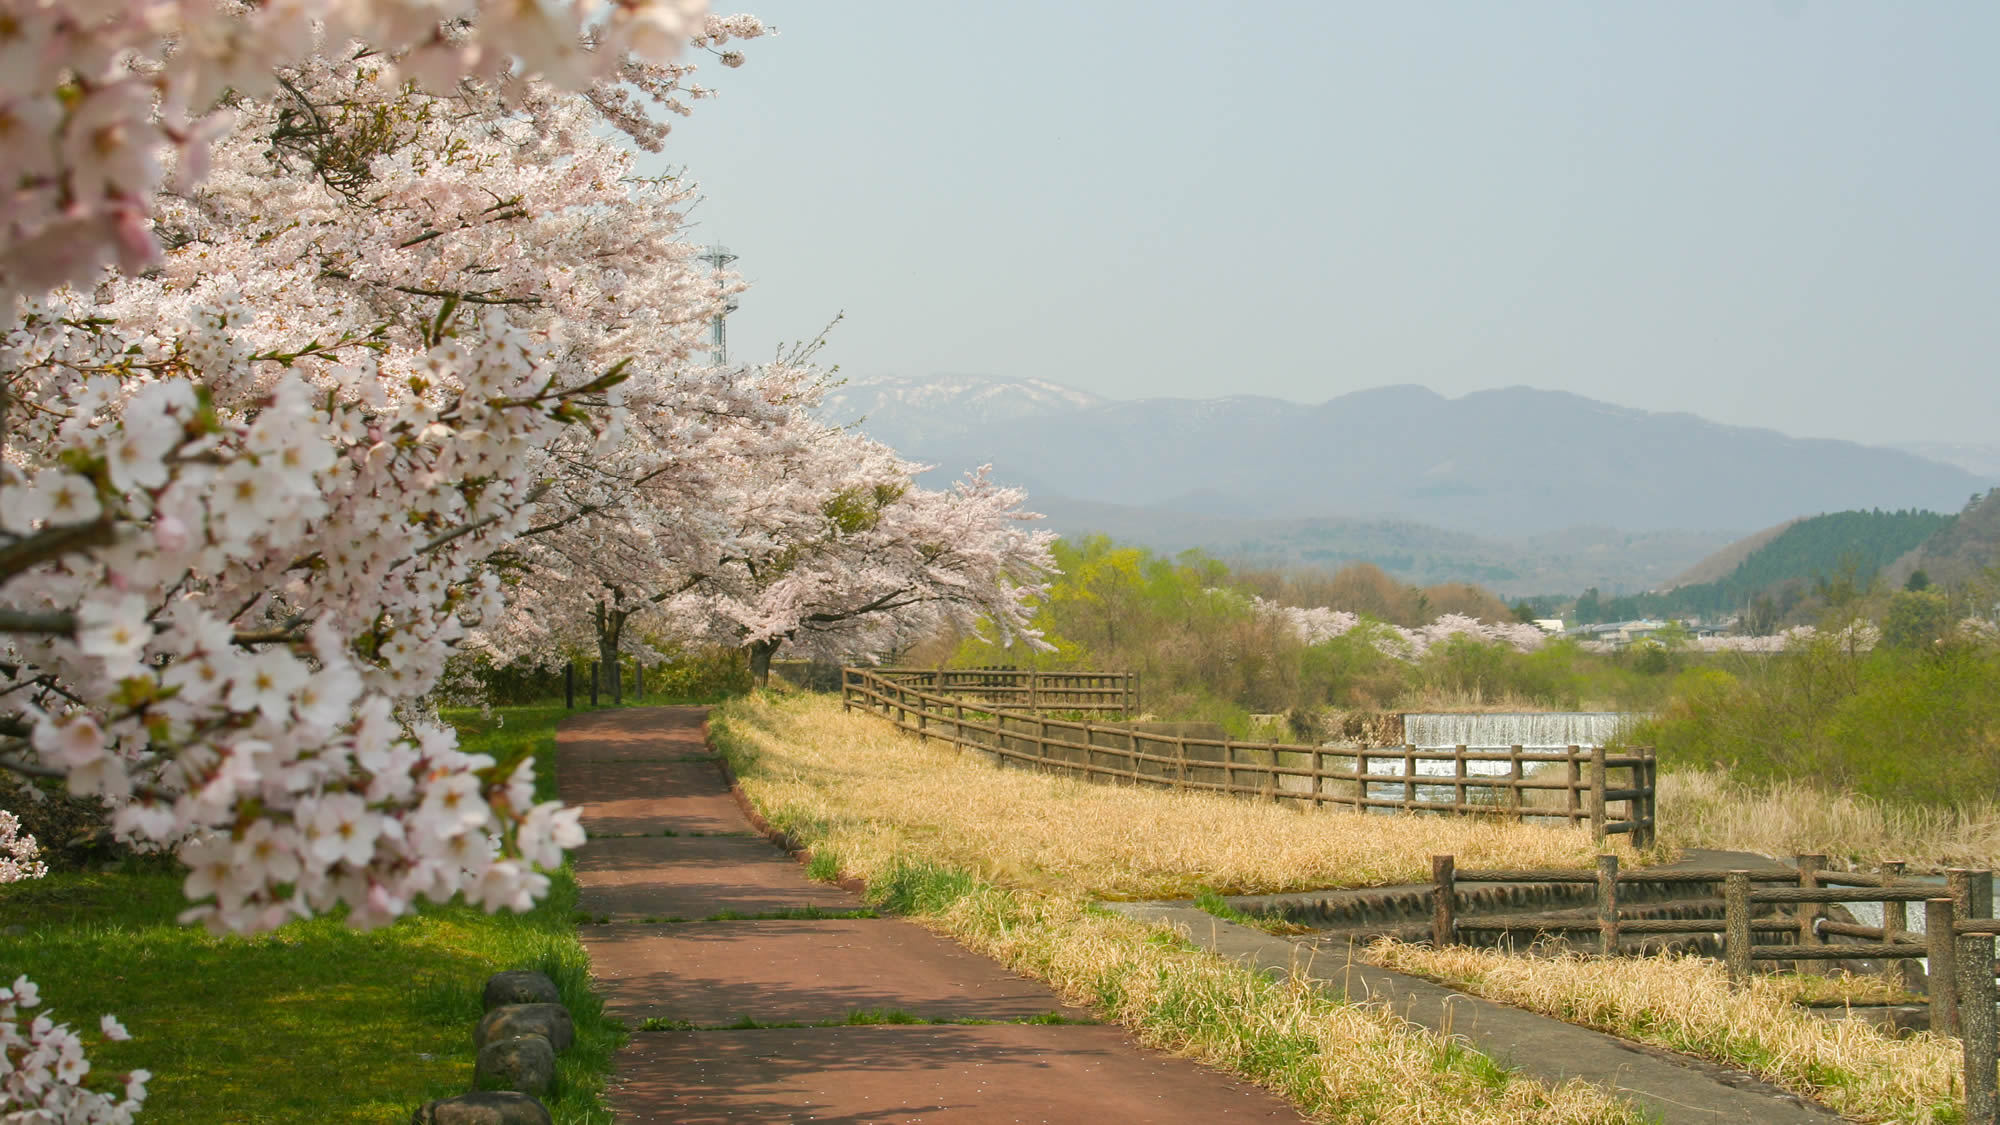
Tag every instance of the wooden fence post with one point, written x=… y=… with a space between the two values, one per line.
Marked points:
x=1975 y=1003
x=1444 y=900
x=1736 y=926
x=847 y=690
x=1652 y=796
x=593 y=683
x=1575 y=802
x=1899 y=973
x=1409 y=777
x=1514 y=775
x=1968 y=890
x=1942 y=982
x=1982 y=1089
x=1034 y=690
x=638 y=680
x=1597 y=793
x=1607 y=904
x=569 y=685
x=1458 y=781
x=1810 y=865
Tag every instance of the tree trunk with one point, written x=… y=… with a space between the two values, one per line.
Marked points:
x=760 y=661
x=610 y=623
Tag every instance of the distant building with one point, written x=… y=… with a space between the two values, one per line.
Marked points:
x=1618 y=633
x=1553 y=626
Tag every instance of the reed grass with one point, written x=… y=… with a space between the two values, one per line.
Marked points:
x=1708 y=809
x=1686 y=1004
x=868 y=792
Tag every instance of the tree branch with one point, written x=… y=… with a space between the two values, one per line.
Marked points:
x=534 y=494
x=51 y=542
x=19 y=621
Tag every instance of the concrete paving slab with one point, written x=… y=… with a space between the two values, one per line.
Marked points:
x=696 y=877
x=947 y=1075
x=1682 y=1090
x=631 y=734
x=648 y=797
x=715 y=973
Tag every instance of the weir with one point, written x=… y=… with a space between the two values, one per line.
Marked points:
x=1530 y=730
x=1443 y=730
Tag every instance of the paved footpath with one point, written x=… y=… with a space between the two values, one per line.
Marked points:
x=670 y=850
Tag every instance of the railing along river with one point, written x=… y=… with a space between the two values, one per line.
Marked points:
x=1001 y=713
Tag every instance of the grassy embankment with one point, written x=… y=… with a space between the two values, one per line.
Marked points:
x=314 y=1022
x=1007 y=863
x=1709 y=808
x=1686 y=1004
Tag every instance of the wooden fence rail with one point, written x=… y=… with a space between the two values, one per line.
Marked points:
x=981 y=715
x=1026 y=689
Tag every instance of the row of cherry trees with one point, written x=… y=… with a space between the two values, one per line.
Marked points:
x=340 y=337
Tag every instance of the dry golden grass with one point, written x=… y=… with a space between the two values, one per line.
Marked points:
x=872 y=793
x=1705 y=809
x=916 y=822
x=1686 y=1004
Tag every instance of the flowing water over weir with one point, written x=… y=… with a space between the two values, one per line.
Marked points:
x=1546 y=730
x=1530 y=730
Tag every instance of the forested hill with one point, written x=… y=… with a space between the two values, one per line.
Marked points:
x=1965 y=548
x=1851 y=546
x=1827 y=545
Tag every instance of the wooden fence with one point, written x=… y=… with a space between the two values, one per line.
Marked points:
x=1957 y=938
x=957 y=708
x=1025 y=689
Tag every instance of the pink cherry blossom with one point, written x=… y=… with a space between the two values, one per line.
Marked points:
x=44 y=1069
x=20 y=854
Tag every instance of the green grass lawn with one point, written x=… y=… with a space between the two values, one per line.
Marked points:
x=314 y=1022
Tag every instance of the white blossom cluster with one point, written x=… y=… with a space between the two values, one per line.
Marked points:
x=44 y=1070
x=20 y=855
x=252 y=500
x=283 y=556
x=1318 y=624
x=1775 y=642
x=101 y=99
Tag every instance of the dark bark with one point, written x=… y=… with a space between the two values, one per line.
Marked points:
x=760 y=661
x=610 y=624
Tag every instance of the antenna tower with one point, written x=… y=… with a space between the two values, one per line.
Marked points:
x=718 y=333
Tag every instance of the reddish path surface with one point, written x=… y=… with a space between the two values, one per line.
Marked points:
x=670 y=848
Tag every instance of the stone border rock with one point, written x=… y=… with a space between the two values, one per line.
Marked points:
x=524 y=1028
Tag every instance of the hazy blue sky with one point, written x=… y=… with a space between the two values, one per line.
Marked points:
x=1777 y=214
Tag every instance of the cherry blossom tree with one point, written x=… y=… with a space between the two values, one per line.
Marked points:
x=643 y=523
x=835 y=552
x=247 y=500
x=1313 y=625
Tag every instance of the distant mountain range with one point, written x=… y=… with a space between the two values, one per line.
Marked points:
x=1980 y=460
x=1492 y=482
